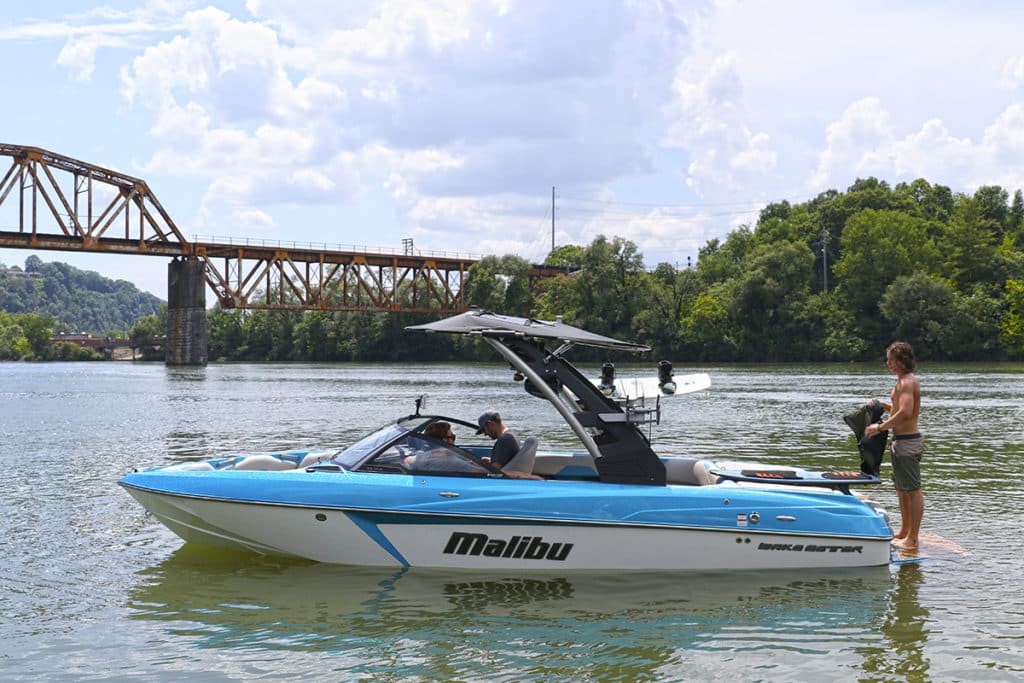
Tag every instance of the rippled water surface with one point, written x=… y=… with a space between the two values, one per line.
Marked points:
x=93 y=588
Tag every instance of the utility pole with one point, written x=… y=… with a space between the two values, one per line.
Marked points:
x=824 y=258
x=552 y=218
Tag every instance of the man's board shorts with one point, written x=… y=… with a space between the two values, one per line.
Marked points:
x=906 y=461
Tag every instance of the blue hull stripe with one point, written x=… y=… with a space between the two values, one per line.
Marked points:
x=370 y=529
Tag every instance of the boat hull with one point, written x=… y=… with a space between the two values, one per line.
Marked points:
x=369 y=537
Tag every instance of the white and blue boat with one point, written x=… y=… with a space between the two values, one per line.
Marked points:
x=615 y=505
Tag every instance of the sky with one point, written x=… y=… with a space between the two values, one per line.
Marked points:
x=360 y=123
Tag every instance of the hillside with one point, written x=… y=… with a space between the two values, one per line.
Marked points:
x=78 y=300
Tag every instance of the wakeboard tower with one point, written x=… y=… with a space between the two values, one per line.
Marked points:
x=536 y=348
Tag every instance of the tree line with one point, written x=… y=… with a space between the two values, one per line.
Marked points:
x=43 y=299
x=836 y=278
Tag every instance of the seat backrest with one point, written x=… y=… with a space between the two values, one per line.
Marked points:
x=681 y=471
x=522 y=461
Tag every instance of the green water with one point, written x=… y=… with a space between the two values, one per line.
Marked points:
x=92 y=588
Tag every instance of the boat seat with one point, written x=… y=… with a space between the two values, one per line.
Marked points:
x=689 y=471
x=565 y=465
x=190 y=466
x=701 y=471
x=681 y=471
x=263 y=463
x=523 y=460
x=315 y=458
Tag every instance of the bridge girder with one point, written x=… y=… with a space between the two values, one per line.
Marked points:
x=58 y=203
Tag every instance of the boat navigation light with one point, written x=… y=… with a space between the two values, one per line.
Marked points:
x=421 y=403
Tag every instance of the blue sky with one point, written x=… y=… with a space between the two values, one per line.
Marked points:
x=448 y=122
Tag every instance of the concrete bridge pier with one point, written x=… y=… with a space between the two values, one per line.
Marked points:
x=187 y=336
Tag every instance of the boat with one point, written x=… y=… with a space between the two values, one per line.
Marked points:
x=400 y=498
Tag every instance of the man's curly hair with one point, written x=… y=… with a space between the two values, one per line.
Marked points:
x=903 y=354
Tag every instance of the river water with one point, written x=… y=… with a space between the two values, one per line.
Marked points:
x=93 y=588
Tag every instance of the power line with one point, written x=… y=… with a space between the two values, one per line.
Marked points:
x=566 y=212
x=683 y=206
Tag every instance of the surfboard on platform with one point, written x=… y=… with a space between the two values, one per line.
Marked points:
x=649 y=387
x=931 y=546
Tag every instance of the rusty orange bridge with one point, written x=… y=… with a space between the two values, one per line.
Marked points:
x=50 y=201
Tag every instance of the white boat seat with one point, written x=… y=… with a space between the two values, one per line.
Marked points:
x=691 y=471
x=522 y=461
x=260 y=462
x=681 y=471
x=701 y=471
x=315 y=458
x=191 y=466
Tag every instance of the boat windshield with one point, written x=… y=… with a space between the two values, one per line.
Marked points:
x=402 y=448
x=417 y=454
x=357 y=452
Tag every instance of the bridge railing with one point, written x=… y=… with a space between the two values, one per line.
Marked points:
x=346 y=248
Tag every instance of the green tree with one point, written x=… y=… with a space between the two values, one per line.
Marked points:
x=706 y=326
x=1016 y=226
x=666 y=291
x=1011 y=327
x=146 y=331
x=835 y=329
x=38 y=329
x=969 y=245
x=938 y=321
x=227 y=334
x=719 y=261
x=608 y=285
x=500 y=285
x=13 y=343
x=993 y=202
x=934 y=203
x=558 y=296
x=877 y=248
x=569 y=256
x=767 y=302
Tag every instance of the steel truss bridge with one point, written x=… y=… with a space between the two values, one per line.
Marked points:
x=50 y=201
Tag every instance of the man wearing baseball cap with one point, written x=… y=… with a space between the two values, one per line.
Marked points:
x=506 y=445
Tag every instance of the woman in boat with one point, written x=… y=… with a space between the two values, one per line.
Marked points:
x=438 y=457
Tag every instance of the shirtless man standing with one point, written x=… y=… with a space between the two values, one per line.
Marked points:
x=907 y=442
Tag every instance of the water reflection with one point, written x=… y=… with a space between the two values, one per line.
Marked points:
x=455 y=624
x=186 y=373
x=904 y=629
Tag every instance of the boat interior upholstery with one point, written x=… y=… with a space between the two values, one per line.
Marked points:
x=565 y=465
x=679 y=471
x=524 y=460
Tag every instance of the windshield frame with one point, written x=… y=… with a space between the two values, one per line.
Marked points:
x=366 y=450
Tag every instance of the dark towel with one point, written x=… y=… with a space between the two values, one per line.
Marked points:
x=872 y=448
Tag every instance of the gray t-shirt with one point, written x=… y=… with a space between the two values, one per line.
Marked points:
x=505 y=448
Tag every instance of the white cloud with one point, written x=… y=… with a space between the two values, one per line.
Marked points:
x=864 y=142
x=864 y=128
x=254 y=219
x=710 y=122
x=1012 y=75
x=452 y=119
x=79 y=55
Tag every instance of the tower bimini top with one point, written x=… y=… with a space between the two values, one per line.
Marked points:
x=491 y=324
x=621 y=452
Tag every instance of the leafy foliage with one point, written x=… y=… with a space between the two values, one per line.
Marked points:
x=835 y=278
x=79 y=301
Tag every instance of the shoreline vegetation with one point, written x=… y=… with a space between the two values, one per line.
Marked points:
x=836 y=278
